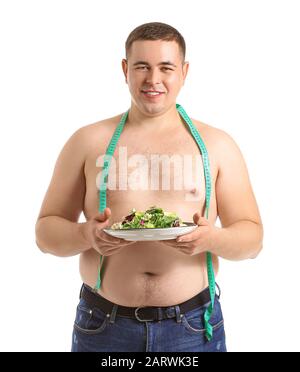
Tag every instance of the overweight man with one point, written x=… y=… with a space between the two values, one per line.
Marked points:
x=153 y=294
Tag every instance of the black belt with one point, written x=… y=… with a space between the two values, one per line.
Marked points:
x=143 y=314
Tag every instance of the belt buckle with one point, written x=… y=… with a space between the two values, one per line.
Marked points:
x=138 y=318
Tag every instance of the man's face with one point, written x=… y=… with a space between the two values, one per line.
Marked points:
x=154 y=65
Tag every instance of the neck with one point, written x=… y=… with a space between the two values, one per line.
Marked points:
x=162 y=121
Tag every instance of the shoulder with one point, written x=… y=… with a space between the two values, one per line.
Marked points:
x=108 y=124
x=218 y=142
x=96 y=132
x=88 y=137
x=212 y=133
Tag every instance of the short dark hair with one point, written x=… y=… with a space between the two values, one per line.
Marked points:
x=156 y=31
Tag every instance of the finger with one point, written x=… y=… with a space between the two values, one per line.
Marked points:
x=101 y=243
x=199 y=220
x=170 y=244
x=102 y=225
x=174 y=245
x=184 y=239
x=105 y=215
x=196 y=218
x=184 y=251
x=107 y=212
x=120 y=242
x=189 y=237
x=106 y=237
x=110 y=252
x=124 y=242
x=168 y=241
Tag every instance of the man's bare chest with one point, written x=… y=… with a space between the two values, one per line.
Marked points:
x=147 y=170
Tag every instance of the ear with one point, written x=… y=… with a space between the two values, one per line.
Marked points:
x=125 y=68
x=185 y=69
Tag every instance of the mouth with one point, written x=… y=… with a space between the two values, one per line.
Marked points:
x=151 y=94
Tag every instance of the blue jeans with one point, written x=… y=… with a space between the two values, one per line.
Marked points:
x=94 y=331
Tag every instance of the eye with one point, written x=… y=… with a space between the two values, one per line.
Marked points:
x=145 y=67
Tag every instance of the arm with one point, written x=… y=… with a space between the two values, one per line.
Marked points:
x=60 y=237
x=239 y=241
x=57 y=231
x=241 y=235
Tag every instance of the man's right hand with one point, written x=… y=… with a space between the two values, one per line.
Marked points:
x=103 y=243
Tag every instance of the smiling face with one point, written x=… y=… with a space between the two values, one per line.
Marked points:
x=154 y=65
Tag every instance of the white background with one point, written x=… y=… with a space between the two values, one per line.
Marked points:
x=61 y=69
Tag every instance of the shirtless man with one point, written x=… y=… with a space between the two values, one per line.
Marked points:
x=149 y=274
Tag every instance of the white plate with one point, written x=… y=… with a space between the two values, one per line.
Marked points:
x=165 y=233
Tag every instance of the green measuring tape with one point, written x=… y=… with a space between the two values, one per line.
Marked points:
x=102 y=205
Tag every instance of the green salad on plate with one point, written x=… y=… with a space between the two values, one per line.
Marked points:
x=152 y=218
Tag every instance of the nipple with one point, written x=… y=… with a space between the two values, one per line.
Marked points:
x=191 y=188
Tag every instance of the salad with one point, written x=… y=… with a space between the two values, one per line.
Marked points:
x=154 y=217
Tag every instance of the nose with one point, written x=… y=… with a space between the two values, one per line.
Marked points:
x=153 y=77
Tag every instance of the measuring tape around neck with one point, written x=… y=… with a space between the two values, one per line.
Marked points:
x=102 y=204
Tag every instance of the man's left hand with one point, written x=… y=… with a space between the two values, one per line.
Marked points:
x=198 y=241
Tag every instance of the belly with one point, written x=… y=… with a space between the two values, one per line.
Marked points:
x=147 y=274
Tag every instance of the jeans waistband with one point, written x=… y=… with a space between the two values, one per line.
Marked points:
x=142 y=314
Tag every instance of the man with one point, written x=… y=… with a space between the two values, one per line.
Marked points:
x=153 y=294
